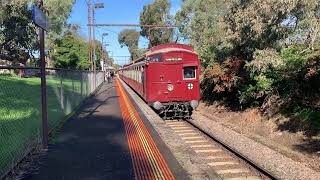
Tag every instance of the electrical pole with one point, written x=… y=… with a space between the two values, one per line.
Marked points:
x=102 y=45
x=98 y=5
x=94 y=46
x=89 y=33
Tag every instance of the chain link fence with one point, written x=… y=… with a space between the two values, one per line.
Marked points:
x=20 y=106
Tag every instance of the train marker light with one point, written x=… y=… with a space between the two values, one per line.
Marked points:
x=190 y=86
x=170 y=87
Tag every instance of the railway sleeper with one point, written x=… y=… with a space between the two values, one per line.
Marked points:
x=174 y=110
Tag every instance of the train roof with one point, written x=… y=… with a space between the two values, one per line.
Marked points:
x=164 y=48
x=169 y=47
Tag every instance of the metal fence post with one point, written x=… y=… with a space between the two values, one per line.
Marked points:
x=61 y=91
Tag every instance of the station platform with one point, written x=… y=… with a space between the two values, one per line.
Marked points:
x=107 y=138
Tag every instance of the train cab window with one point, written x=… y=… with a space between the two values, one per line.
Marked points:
x=189 y=72
x=155 y=58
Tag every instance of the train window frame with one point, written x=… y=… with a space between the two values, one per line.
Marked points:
x=155 y=56
x=195 y=73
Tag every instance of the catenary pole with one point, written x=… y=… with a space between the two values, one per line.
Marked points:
x=89 y=34
x=94 y=45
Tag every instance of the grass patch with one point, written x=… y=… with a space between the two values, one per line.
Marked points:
x=20 y=111
x=310 y=117
x=301 y=119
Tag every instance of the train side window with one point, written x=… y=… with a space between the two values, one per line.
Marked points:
x=189 y=72
x=135 y=73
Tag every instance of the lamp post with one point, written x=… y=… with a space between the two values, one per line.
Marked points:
x=103 y=57
x=96 y=6
x=102 y=36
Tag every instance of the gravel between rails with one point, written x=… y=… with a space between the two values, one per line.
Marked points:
x=271 y=161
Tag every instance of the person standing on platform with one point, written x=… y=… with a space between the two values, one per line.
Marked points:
x=108 y=76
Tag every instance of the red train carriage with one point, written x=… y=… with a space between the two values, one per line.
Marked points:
x=167 y=78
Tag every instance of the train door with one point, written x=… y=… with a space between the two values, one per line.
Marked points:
x=172 y=80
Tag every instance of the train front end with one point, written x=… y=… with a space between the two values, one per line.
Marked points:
x=173 y=80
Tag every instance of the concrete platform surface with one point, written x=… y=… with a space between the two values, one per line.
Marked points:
x=104 y=141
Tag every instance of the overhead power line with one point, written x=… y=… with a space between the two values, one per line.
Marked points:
x=119 y=56
x=136 y=25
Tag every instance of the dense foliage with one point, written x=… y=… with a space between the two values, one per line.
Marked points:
x=71 y=51
x=18 y=35
x=130 y=38
x=257 y=52
x=156 y=13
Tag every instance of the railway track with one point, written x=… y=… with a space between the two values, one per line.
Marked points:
x=227 y=163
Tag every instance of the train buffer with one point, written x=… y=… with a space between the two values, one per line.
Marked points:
x=107 y=138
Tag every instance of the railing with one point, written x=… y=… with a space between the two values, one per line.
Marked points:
x=20 y=106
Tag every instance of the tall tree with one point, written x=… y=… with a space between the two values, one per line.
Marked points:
x=58 y=12
x=306 y=24
x=156 y=13
x=130 y=38
x=70 y=52
x=199 y=23
x=260 y=24
x=18 y=36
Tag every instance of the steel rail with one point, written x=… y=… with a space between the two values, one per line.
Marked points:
x=257 y=167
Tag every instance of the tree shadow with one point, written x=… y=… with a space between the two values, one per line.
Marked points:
x=310 y=146
x=93 y=146
x=306 y=122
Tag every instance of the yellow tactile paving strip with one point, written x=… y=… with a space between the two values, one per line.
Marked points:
x=148 y=163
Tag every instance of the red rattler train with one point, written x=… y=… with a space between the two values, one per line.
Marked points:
x=167 y=78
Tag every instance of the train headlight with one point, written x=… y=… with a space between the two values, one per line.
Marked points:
x=170 y=87
x=157 y=105
x=194 y=104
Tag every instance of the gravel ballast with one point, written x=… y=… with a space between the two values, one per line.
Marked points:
x=270 y=160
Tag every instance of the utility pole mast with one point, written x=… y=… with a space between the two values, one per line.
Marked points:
x=104 y=58
x=89 y=33
x=98 y=5
x=94 y=46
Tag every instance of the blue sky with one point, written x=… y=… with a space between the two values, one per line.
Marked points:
x=114 y=12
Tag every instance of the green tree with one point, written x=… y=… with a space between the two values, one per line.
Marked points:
x=101 y=54
x=130 y=39
x=199 y=23
x=306 y=24
x=71 y=52
x=58 y=12
x=156 y=13
x=18 y=35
